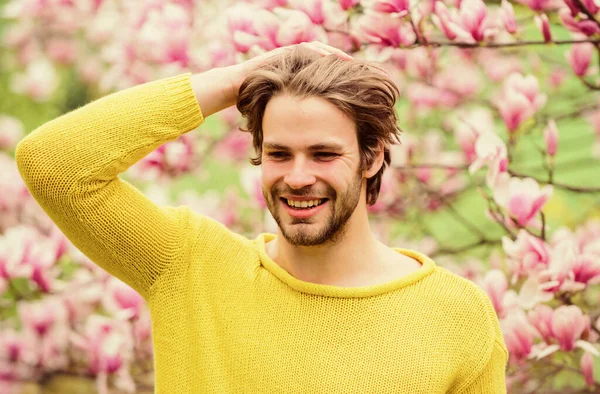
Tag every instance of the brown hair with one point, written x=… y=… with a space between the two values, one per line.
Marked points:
x=361 y=90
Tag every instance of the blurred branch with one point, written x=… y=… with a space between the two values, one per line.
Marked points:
x=579 y=189
x=464 y=248
x=503 y=44
x=587 y=12
x=420 y=43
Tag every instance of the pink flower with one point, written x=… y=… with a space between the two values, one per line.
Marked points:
x=528 y=86
x=495 y=285
x=399 y=7
x=107 y=346
x=518 y=336
x=473 y=18
x=460 y=78
x=580 y=25
x=347 y=4
x=445 y=21
x=586 y=269
x=541 y=318
x=508 y=17
x=19 y=354
x=514 y=109
x=559 y=275
x=537 y=5
x=62 y=51
x=296 y=27
x=385 y=30
x=490 y=151
x=543 y=24
x=520 y=100
x=427 y=96
x=580 y=57
x=587 y=368
x=551 y=137
x=42 y=316
x=119 y=297
x=250 y=179
x=469 y=24
x=568 y=323
x=527 y=254
x=235 y=146
x=11 y=132
x=523 y=199
x=322 y=12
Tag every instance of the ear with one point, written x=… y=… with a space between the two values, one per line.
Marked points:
x=376 y=165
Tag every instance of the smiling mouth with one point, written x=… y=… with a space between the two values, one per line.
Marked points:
x=304 y=205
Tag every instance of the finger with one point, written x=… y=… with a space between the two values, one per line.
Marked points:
x=333 y=50
x=316 y=48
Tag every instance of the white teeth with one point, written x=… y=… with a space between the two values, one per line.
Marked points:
x=303 y=204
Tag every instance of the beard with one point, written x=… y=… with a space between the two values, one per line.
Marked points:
x=314 y=230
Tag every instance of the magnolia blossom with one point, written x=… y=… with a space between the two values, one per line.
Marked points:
x=108 y=349
x=520 y=100
x=347 y=4
x=569 y=270
x=551 y=137
x=580 y=57
x=399 y=7
x=568 y=325
x=495 y=285
x=508 y=17
x=469 y=23
x=578 y=25
x=120 y=298
x=523 y=199
x=519 y=336
x=39 y=80
x=321 y=12
x=11 y=132
x=250 y=178
x=490 y=150
x=541 y=319
x=527 y=254
x=469 y=126
x=587 y=368
x=385 y=30
x=543 y=24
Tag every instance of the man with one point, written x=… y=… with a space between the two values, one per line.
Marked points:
x=319 y=307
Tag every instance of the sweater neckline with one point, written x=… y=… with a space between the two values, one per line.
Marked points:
x=427 y=267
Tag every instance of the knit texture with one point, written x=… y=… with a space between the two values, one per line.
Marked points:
x=225 y=317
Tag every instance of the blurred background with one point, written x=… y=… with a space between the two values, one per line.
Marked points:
x=497 y=176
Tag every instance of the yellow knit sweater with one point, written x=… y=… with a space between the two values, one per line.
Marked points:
x=225 y=317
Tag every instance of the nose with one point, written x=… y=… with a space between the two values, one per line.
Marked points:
x=299 y=176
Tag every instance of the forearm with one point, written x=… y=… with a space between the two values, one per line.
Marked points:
x=217 y=89
x=105 y=137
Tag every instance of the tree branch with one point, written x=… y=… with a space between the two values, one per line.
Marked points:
x=587 y=12
x=559 y=185
x=481 y=242
x=503 y=44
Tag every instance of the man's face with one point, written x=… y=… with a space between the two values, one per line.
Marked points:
x=311 y=180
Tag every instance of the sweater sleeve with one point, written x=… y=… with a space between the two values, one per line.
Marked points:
x=70 y=165
x=492 y=379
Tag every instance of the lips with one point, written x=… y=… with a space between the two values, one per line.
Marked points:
x=302 y=213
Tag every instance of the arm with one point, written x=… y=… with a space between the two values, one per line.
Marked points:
x=492 y=379
x=71 y=165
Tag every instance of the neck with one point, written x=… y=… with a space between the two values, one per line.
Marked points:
x=351 y=259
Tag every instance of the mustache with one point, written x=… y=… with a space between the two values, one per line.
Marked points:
x=327 y=192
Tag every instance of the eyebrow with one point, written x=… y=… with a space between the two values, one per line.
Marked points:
x=312 y=148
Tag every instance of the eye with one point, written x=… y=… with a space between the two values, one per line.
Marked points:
x=277 y=155
x=326 y=155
